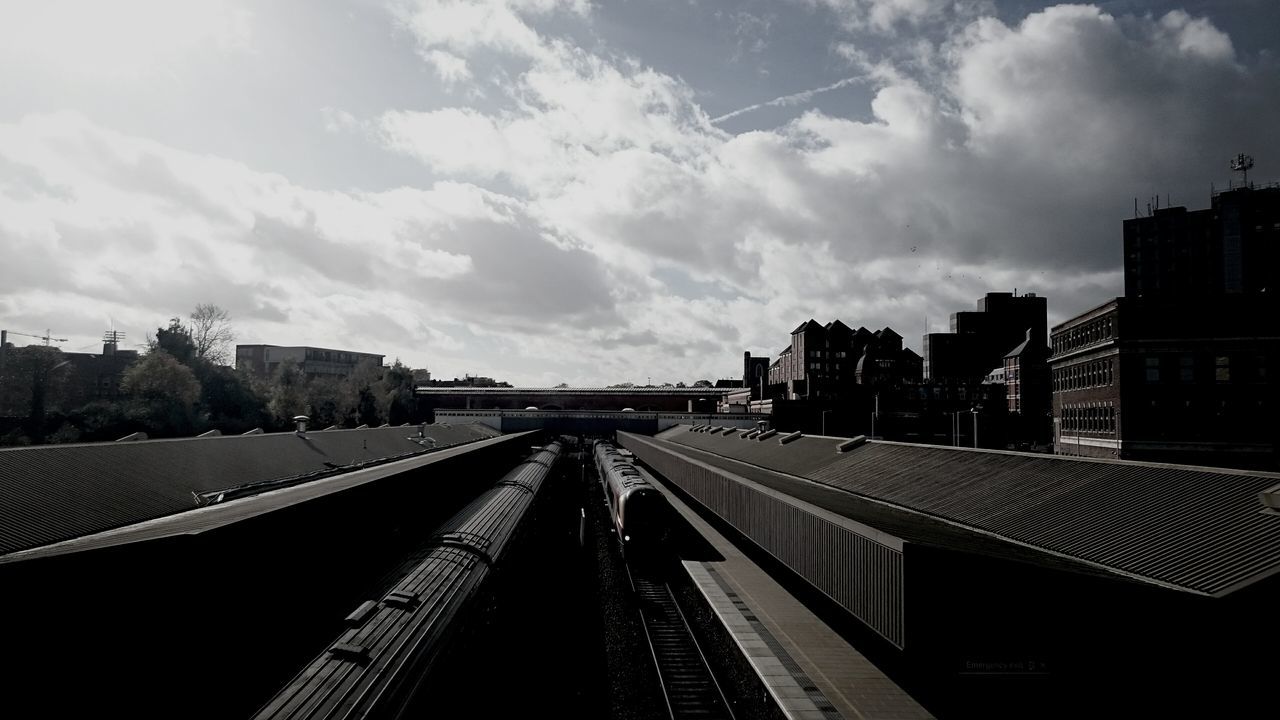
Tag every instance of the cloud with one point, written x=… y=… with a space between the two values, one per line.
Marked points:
x=574 y=213
x=799 y=98
x=989 y=160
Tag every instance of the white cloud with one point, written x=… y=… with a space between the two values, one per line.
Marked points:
x=122 y=39
x=588 y=218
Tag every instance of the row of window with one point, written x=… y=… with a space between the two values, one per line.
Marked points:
x=1156 y=369
x=1097 y=373
x=1089 y=418
x=1084 y=335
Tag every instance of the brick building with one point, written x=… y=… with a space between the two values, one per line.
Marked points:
x=1183 y=368
x=829 y=360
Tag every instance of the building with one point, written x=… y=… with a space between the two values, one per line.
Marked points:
x=755 y=374
x=827 y=361
x=1232 y=247
x=1007 y=332
x=312 y=361
x=979 y=340
x=1169 y=380
x=1182 y=368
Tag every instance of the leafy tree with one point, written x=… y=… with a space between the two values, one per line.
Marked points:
x=703 y=384
x=229 y=399
x=288 y=393
x=562 y=385
x=211 y=334
x=162 y=393
x=330 y=401
x=176 y=341
x=33 y=382
x=397 y=384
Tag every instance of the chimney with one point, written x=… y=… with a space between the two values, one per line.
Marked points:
x=301 y=420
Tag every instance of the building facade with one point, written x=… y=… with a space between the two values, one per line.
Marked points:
x=1183 y=368
x=1230 y=248
x=1169 y=381
x=827 y=361
x=979 y=340
x=312 y=361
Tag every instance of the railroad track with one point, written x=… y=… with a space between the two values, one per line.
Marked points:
x=688 y=686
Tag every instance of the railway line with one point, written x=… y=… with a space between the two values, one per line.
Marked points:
x=688 y=685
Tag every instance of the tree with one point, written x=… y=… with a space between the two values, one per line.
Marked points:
x=288 y=393
x=562 y=385
x=163 y=393
x=398 y=401
x=176 y=341
x=703 y=384
x=33 y=381
x=211 y=334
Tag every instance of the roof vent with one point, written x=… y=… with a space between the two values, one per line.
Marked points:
x=790 y=438
x=133 y=436
x=766 y=435
x=360 y=614
x=301 y=422
x=851 y=444
x=1270 y=499
x=350 y=651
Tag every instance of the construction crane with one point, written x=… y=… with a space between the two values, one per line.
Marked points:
x=46 y=337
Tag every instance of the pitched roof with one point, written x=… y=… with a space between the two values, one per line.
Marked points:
x=52 y=493
x=1194 y=529
x=807 y=325
x=1022 y=346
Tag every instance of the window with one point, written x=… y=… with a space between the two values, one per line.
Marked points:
x=1187 y=368
x=1222 y=368
x=1153 y=369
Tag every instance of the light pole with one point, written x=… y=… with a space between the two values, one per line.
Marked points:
x=824 y=421
x=875 y=413
x=975 y=427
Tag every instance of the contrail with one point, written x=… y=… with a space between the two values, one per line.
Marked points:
x=794 y=99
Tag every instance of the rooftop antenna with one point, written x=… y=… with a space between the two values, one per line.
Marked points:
x=1242 y=164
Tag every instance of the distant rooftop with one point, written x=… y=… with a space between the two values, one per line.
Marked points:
x=428 y=390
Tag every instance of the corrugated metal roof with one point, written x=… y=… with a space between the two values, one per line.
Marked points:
x=194 y=522
x=1196 y=528
x=57 y=492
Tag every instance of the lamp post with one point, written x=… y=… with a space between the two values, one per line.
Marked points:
x=824 y=421
x=874 y=414
x=975 y=427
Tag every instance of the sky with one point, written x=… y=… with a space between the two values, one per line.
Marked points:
x=603 y=191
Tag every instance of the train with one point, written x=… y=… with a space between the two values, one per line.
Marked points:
x=376 y=666
x=639 y=512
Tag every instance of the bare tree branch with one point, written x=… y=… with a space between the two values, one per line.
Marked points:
x=212 y=334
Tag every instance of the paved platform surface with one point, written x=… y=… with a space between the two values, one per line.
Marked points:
x=812 y=672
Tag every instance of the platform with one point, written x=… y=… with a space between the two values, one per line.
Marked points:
x=810 y=671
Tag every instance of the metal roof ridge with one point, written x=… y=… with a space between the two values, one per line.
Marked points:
x=955 y=523
x=1077 y=458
